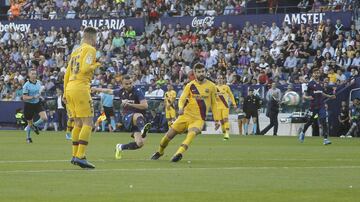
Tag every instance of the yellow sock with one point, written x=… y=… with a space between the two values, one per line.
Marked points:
x=75 y=140
x=83 y=140
x=223 y=127
x=69 y=126
x=227 y=126
x=163 y=144
x=170 y=123
x=185 y=144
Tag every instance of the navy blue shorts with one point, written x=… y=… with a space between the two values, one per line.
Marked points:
x=127 y=121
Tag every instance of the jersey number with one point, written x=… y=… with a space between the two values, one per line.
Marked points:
x=75 y=65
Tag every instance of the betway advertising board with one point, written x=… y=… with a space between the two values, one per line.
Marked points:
x=113 y=24
x=239 y=20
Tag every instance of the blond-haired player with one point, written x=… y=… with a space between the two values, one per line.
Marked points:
x=79 y=74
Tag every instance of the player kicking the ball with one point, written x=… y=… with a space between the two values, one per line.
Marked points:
x=194 y=103
x=134 y=105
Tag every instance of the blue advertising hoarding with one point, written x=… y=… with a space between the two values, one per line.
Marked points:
x=139 y=24
x=114 y=24
x=238 y=21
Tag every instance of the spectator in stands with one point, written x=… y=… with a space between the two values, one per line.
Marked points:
x=290 y=62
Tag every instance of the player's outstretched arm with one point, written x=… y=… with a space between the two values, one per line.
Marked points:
x=102 y=90
x=329 y=96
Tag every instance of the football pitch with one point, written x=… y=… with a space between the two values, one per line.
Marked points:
x=246 y=168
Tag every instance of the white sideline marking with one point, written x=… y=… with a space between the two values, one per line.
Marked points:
x=173 y=169
x=127 y=160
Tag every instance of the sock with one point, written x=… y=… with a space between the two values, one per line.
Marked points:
x=130 y=146
x=113 y=125
x=223 y=128
x=246 y=128
x=163 y=144
x=185 y=144
x=227 y=126
x=38 y=122
x=75 y=140
x=83 y=140
x=103 y=125
x=69 y=126
x=170 y=123
x=140 y=123
x=28 y=130
x=254 y=128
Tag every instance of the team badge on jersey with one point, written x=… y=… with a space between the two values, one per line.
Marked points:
x=89 y=59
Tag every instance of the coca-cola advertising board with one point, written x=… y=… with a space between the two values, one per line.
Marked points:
x=239 y=20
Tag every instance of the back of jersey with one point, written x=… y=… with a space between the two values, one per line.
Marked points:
x=81 y=67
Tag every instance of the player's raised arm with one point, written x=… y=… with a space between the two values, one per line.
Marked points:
x=232 y=98
x=182 y=100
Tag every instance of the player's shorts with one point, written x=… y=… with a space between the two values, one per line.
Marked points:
x=184 y=122
x=252 y=113
x=79 y=104
x=31 y=109
x=241 y=116
x=223 y=113
x=109 y=111
x=170 y=113
x=127 y=121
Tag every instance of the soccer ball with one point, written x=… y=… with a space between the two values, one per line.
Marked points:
x=291 y=98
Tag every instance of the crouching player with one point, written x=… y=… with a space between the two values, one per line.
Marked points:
x=134 y=105
x=194 y=103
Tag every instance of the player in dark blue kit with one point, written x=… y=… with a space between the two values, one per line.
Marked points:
x=315 y=93
x=32 y=104
x=134 y=106
x=355 y=119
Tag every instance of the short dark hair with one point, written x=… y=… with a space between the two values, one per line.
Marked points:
x=90 y=30
x=127 y=77
x=198 y=66
x=315 y=69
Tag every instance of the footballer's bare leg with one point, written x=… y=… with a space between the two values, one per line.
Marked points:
x=170 y=134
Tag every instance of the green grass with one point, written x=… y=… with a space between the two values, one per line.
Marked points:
x=241 y=169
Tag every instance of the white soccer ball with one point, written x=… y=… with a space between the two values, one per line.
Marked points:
x=291 y=98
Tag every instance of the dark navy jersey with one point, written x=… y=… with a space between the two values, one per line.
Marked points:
x=135 y=96
x=315 y=90
x=355 y=113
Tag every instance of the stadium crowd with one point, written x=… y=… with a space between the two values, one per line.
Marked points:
x=256 y=54
x=151 y=10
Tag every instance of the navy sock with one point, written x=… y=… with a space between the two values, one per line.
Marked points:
x=140 y=123
x=130 y=146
